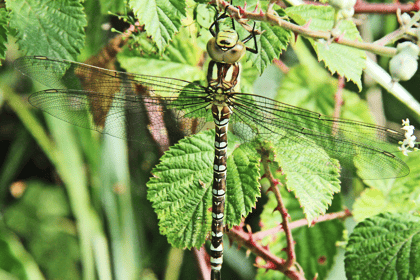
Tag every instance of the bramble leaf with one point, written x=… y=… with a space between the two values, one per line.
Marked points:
x=243 y=185
x=270 y=45
x=50 y=28
x=386 y=246
x=315 y=246
x=346 y=61
x=390 y=195
x=314 y=180
x=179 y=60
x=313 y=91
x=3 y=32
x=370 y=203
x=162 y=19
x=115 y=7
x=180 y=190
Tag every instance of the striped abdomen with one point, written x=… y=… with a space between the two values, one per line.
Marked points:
x=221 y=116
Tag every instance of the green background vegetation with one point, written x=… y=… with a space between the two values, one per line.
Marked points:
x=74 y=203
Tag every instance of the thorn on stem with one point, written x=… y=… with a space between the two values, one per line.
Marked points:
x=322 y=260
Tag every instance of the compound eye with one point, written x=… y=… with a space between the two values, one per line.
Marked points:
x=235 y=54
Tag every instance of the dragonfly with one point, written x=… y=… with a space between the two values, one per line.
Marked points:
x=98 y=99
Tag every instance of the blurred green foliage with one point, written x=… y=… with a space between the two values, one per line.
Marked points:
x=74 y=204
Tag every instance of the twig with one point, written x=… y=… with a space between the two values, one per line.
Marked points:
x=273 y=19
x=303 y=222
x=363 y=7
x=273 y=262
x=280 y=64
x=400 y=32
x=290 y=248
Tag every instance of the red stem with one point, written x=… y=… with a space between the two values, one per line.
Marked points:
x=273 y=262
x=363 y=7
x=303 y=222
x=339 y=97
x=280 y=64
x=203 y=261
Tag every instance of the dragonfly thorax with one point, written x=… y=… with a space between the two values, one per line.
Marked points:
x=223 y=76
x=220 y=97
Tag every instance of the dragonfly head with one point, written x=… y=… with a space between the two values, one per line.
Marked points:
x=226 y=47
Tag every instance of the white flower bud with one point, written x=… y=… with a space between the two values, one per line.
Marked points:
x=409 y=48
x=405 y=18
x=403 y=66
x=342 y=4
x=347 y=13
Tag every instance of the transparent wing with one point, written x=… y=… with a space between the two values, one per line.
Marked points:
x=97 y=98
x=91 y=97
x=349 y=141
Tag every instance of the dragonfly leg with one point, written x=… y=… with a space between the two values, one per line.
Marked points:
x=252 y=35
x=215 y=24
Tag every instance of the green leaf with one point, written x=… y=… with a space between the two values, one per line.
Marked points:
x=162 y=18
x=370 y=203
x=180 y=190
x=315 y=246
x=249 y=74
x=50 y=28
x=311 y=174
x=346 y=61
x=204 y=15
x=116 y=6
x=15 y=261
x=386 y=246
x=270 y=45
x=180 y=60
x=243 y=186
x=4 y=19
x=309 y=91
x=313 y=91
x=318 y=95
x=40 y=204
x=96 y=36
x=391 y=195
x=40 y=218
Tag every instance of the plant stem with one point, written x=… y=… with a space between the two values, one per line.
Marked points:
x=290 y=249
x=303 y=222
x=304 y=31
